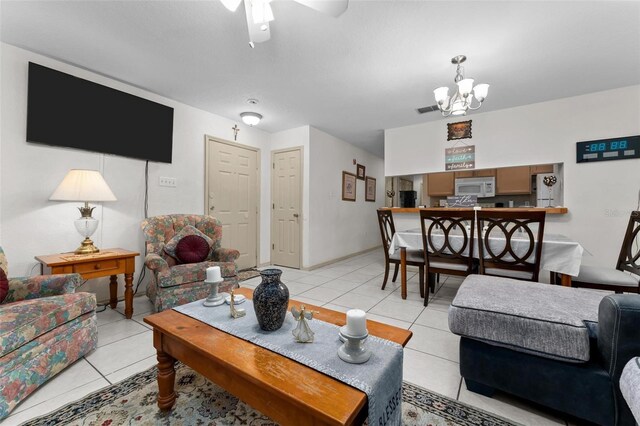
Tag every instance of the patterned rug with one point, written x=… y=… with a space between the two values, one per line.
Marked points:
x=246 y=274
x=200 y=402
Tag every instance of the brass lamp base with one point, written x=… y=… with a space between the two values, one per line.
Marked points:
x=87 y=247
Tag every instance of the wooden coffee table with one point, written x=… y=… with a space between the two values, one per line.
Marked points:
x=288 y=392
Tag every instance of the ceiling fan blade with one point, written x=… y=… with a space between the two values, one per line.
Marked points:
x=232 y=5
x=258 y=33
x=333 y=8
x=424 y=110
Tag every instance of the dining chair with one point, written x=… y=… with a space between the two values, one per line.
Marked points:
x=510 y=243
x=448 y=244
x=625 y=277
x=414 y=257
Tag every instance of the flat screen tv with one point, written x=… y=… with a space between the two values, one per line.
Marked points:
x=68 y=111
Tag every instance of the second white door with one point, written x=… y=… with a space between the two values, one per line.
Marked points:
x=286 y=210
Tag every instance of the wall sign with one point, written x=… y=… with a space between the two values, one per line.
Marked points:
x=462 y=201
x=460 y=158
x=608 y=149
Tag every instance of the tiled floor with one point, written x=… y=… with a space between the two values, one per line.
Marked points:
x=431 y=356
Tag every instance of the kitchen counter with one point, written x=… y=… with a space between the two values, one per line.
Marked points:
x=549 y=210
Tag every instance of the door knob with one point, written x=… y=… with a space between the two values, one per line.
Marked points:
x=212 y=207
x=295 y=215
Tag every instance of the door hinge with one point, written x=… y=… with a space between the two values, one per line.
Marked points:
x=273 y=246
x=274 y=165
x=273 y=206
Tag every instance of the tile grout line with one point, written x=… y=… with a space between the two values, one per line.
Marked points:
x=123 y=338
x=96 y=368
x=435 y=356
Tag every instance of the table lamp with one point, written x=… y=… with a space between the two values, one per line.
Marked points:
x=85 y=186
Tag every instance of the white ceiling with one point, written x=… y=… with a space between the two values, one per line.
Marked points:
x=351 y=76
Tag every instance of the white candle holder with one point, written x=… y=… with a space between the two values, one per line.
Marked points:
x=214 y=298
x=353 y=349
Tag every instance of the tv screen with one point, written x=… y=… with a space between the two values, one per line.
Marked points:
x=68 y=111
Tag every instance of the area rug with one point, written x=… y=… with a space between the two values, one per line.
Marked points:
x=246 y=274
x=200 y=402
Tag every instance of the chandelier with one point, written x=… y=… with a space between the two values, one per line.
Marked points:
x=462 y=100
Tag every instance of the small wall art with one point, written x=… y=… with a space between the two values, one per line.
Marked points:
x=459 y=130
x=370 y=189
x=360 y=171
x=348 y=186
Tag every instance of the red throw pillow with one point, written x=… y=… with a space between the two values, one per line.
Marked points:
x=192 y=249
x=4 y=285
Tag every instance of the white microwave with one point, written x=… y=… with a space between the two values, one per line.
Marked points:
x=481 y=187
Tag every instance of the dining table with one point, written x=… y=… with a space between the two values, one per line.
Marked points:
x=560 y=254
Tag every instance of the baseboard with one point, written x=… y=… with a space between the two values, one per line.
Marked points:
x=329 y=262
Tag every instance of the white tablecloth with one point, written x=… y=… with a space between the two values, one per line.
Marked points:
x=559 y=253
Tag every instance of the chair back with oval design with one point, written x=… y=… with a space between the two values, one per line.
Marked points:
x=629 y=259
x=510 y=243
x=448 y=236
x=387 y=229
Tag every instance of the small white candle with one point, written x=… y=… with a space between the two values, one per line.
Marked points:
x=213 y=274
x=356 y=322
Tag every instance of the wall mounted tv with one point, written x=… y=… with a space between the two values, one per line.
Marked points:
x=68 y=111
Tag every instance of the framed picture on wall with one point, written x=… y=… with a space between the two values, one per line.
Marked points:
x=348 y=186
x=459 y=130
x=370 y=189
x=360 y=171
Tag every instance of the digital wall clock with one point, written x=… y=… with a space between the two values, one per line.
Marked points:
x=608 y=149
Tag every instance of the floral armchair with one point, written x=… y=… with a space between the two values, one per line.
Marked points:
x=44 y=327
x=173 y=284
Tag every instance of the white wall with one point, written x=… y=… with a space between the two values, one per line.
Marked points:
x=339 y=228
x=298 y=137
x=599 y=195
x=32 y=225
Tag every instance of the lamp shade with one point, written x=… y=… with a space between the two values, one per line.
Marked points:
x=83 y=185
x=481 y=91
x=441 y=94
x=465 y=86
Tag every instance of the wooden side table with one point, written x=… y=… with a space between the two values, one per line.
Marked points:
x=107 y=262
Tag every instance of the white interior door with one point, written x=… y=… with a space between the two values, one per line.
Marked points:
x=286 y=184
x=232 y=197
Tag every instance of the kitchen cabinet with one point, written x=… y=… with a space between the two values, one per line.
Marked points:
x=440 y=184
x=475 y=173
x=463 y=174
x=513 y=180
x=541 y=168
x=484 y=173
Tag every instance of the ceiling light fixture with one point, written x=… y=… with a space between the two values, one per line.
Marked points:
x=463 y=98
x=250 y=118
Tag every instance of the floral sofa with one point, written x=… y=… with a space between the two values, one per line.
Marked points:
x=44 y=327
x=174 y=284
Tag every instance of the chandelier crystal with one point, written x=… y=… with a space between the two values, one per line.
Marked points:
x=462 y=100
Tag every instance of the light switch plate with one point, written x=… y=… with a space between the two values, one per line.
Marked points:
x=167 y=181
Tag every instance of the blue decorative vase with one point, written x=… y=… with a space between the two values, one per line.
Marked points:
x=270 y=300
